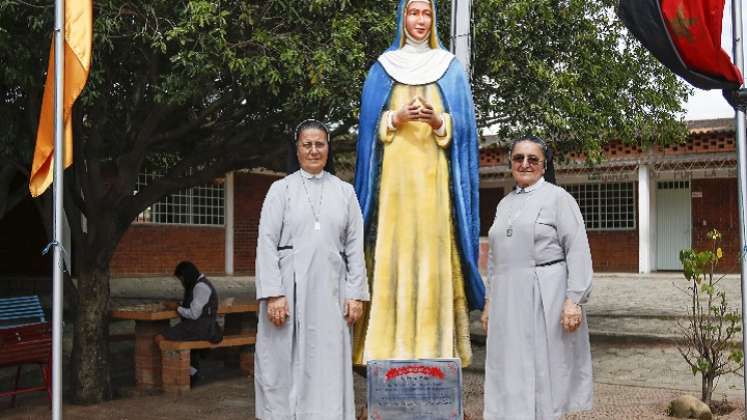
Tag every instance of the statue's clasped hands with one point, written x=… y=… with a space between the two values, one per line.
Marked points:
x=417 y=110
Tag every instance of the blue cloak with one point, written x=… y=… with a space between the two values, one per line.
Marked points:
x=462 y=153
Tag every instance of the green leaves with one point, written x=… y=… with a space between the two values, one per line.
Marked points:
x=710 y=335
x=568 y=70
x=565 y=69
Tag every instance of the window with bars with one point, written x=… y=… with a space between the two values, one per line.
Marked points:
x=610 y=206
x=202 y=205
x=673 y=185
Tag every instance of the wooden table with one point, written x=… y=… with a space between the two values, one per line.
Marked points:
x=152 y=319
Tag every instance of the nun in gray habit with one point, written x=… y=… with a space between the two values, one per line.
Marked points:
x=311 y=280
x=538 y=363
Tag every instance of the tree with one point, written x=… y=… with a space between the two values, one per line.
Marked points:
x=710 y=346
x=199 y=88
x=569 y=71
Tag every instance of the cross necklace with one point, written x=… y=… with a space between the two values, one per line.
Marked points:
x=316 y=212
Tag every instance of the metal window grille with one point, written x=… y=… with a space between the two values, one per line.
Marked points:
x=608 y=206
x=673 y=185
x=202 y=205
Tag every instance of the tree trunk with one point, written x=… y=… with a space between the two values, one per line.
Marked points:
x=90 y=358
x=707 y=388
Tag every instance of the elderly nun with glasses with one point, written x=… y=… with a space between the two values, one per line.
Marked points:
x=311 y=282
x=538 y=363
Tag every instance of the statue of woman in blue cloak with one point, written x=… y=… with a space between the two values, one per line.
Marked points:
x=417 y=182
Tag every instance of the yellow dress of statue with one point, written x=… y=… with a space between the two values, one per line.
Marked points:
x=420 y=311
x=418 y=307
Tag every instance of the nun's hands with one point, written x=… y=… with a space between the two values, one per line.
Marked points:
x=353 y=311
x=277 y=310
x=408 y=112
x=571 y=317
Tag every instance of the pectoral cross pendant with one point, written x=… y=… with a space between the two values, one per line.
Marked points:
x=509 y=232
x=317 y=225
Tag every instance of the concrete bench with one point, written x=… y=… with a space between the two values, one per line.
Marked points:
x=175 y=359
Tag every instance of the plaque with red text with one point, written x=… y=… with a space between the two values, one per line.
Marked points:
x=415 y=389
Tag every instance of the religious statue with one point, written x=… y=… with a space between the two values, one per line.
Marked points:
x=417 y=183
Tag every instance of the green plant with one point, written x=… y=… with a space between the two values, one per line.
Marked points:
x=711 y=328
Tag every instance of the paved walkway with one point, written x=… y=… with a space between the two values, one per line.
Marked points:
x=632 y=319
x=660 y=294
x=616 y=396
x=618 y=294
x=635 y=378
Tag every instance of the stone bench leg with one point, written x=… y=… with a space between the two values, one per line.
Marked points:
x=175 y=371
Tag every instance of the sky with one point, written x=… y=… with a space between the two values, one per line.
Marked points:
x=706 y=104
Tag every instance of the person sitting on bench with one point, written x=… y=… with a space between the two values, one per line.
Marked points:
x=198 y=310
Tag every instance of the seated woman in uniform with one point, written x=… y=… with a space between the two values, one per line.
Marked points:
x=198 y=310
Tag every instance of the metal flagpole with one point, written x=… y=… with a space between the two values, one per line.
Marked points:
x=57 y=215
x=741 y=165
x=461 y=13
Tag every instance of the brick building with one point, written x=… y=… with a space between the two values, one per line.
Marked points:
x=642 y=207
x=214 y=226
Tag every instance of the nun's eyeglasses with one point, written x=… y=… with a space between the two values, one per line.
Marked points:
x=532 y=160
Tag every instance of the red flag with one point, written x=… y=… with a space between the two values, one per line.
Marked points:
x=685 y=35
x=695 y=28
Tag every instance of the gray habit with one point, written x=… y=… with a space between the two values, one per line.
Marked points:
x=534 y=369
x=303 y=369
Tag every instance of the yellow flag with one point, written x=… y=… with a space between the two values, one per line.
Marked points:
x=78 y=45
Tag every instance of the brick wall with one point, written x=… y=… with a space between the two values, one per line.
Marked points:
x=611 y=251
x=718 y=208
x=614 y=251
x=250 y=193
x=151 y=249
x=698 y=141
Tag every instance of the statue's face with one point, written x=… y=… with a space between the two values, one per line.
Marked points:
x=527 y=163
x=418 y=19
x=312 y=150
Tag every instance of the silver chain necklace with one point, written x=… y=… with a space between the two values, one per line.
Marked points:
x=314 y=211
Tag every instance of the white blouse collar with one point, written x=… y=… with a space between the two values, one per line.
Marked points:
x=310 y=176
x=530 y=188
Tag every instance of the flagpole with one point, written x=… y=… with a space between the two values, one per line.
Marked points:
x=461 y=13
x=57 y=215
x=741 y=168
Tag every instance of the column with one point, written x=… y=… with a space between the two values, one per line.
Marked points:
x=645 y=244
x=229 y=221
